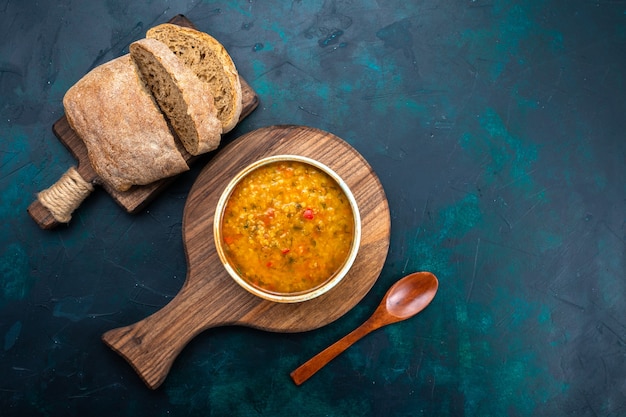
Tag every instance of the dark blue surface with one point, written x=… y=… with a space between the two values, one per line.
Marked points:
x=497 y=130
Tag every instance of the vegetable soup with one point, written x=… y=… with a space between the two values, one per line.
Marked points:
x=287 y=227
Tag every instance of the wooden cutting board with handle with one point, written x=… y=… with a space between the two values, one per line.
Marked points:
x=132 y=200
x=210 y=297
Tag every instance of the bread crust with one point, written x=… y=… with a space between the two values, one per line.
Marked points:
x=186 y=101
x=128 y=140
x=189 y=45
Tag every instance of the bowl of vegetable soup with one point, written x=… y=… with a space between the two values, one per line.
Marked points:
x=287 y=228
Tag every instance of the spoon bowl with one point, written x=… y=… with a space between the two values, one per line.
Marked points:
x=406 y=298
x=410 y=295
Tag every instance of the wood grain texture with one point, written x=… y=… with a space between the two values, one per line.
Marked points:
x=210 y=297
x=403 y=300
x=137 y=197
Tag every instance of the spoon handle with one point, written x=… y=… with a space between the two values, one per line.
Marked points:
x=317 y=362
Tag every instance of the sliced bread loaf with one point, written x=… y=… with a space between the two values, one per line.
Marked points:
x=210 y=61
x=127 y=138
x=184 y=99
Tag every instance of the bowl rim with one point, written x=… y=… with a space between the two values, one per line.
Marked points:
x=299 y=296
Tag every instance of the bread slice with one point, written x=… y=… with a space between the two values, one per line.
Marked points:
x=186 y=101
x=211 y=63
x=128 y=140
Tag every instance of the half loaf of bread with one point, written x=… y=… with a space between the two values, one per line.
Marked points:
x=127 y=138
x=185 y=100
x=210 y=61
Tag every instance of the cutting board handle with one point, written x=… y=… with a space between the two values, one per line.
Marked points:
x=151 y=345
x=55 y=204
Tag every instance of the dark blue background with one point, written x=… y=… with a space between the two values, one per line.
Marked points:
x=497 y=130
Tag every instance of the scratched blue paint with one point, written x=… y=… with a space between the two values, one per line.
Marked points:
x=544 y=317
x=556 y=40
x=15 y=272
x=523 y=103
x=507 y=162
x=11 y=336
x=259 y=68
x=284 y=36
x=345 y=87
x=600 y=180
x=611 y=292
x=18 y=147
x=515 y=366
x=510 y=158
x=238 y=8
x=331 y=39
x=491 y=48
x=548 y=240
x=324 y=91
x=73 y=308
x=238 y=390
x=429 y=251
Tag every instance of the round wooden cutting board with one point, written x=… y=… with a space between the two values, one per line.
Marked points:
x=210 y=297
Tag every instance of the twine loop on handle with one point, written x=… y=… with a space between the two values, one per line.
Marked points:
x=64 y=196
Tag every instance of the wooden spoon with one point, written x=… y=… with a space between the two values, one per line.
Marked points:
x=403 y=300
